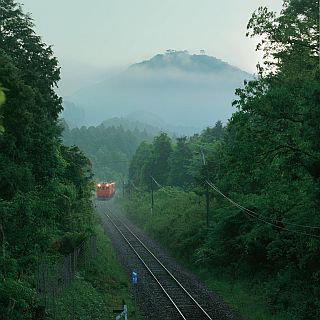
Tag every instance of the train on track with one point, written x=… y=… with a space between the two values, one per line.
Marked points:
x=105 y=190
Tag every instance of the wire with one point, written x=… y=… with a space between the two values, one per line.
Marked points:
x=255 y=215
x=162 y=188
x=156 y=182
x=135 y=187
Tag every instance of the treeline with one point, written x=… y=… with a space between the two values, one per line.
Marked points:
x=109 y=149
x=45 y=187
x=175 y=164
x=263 y=171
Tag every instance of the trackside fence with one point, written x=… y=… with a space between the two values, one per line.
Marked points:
x=53 y=278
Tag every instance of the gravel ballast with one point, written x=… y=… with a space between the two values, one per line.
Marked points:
x=150 y=305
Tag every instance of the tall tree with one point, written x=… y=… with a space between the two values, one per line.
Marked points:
x=272 y=142
x=161 y=151
x=141 y=166
x=179 y=162
x=44 y=187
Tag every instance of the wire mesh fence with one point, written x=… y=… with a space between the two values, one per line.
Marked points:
x=53 y=278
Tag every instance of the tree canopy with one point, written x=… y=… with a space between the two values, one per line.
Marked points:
x=264 y=169
x=45 y=187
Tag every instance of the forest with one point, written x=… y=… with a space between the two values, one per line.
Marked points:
x=109 y=149
x=261 y=171
x=45 y=186
x=240 y=198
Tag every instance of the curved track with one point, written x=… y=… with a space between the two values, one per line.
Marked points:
x=181 y=304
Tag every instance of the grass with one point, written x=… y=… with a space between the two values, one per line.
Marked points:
x=243 y=295
x=246 y=297
x=98 y=289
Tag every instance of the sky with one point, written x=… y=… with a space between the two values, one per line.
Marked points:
x=91 y=38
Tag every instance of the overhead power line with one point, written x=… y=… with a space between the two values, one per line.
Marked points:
x=255 y=213
x=134 y=186
x=162 y=188
x=256 y=216
x=156 y=182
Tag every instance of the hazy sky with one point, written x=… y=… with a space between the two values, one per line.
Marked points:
x=102 y=34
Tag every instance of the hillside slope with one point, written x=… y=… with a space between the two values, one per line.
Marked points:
x=182 y=89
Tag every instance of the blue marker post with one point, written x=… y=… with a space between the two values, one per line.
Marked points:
x=134 y=281
x=134 y=276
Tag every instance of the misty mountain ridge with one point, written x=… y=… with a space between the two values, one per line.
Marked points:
x=185 y=62
x=131 y=125
x=183 y=90
x=153 y=125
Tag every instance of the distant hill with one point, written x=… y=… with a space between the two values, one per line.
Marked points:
x=110 y=149
x=73 y=115
x=183 y=61
x=182 y=89
x=148 y=122
x=131 y=125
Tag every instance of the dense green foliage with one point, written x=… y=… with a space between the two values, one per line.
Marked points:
x=2 y=101
x=178 y=223
x=267 y=159
x=131 y=125
x=45 y=187
x=98 y=288
x=110 y=149
x=175 y=164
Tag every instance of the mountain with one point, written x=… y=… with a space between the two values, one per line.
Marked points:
x=182 y=89
x=73 y=115
x=183 y=61
x=132 y=125
x=148 y=122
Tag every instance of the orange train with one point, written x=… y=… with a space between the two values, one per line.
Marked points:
x=105 y=190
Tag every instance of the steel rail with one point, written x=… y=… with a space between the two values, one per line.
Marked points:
x=161 y=264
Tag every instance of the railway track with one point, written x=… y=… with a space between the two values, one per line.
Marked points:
x=180 y=303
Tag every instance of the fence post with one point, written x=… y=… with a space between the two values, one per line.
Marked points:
x=52 y=279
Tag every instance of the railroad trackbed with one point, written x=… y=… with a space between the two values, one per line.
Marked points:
x=163 y=291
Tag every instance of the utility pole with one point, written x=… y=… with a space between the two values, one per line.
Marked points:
x=207 y=188
x=207 y=200
x=123 y=188
x=152 y=200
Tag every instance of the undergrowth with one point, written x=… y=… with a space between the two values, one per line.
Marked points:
x=247 y=296
x=98 y=289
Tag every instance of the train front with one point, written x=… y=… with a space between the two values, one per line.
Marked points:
x=105 y=190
